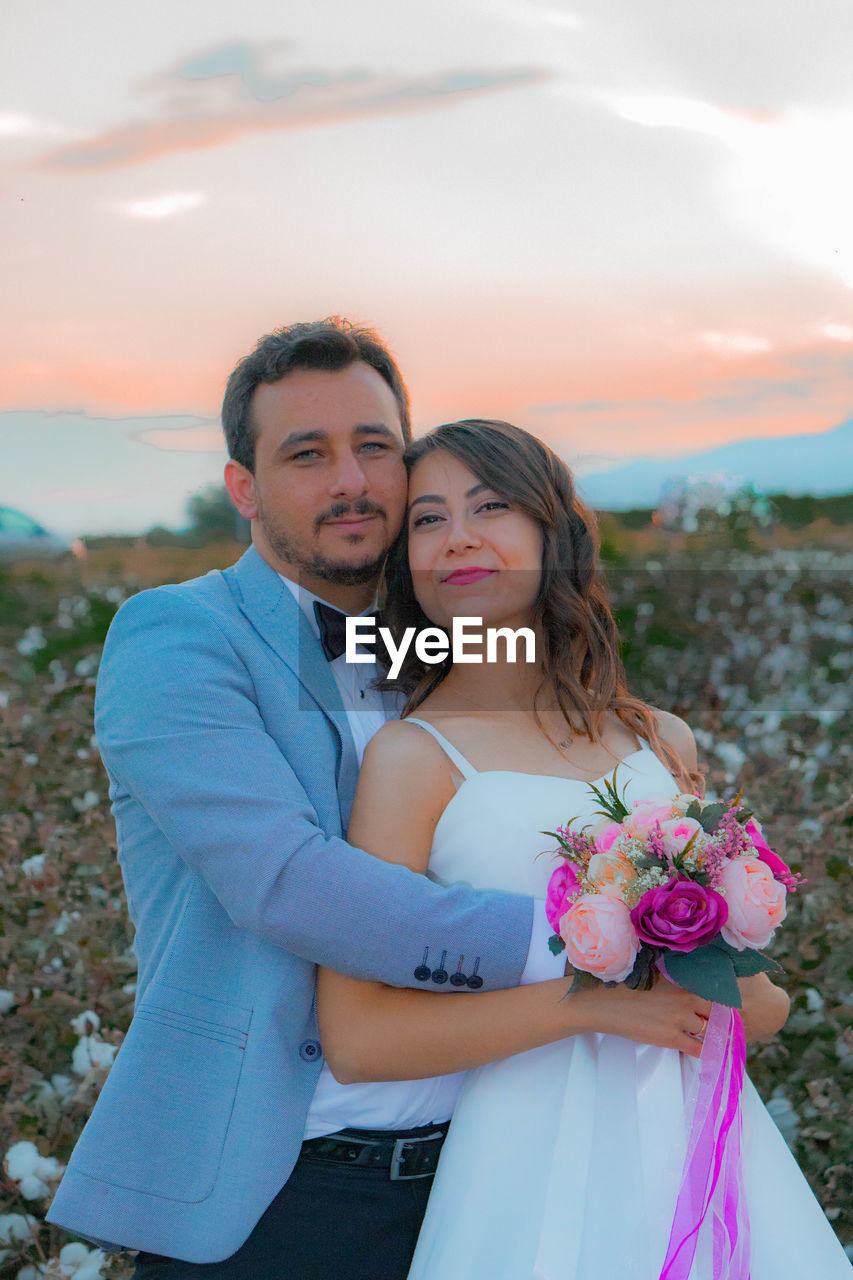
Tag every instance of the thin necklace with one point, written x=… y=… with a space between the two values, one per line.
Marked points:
x=563 y=744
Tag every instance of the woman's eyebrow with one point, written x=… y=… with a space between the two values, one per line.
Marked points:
x=437 y=497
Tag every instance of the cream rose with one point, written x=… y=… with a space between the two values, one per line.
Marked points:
x=600 y=938
x=755 y=900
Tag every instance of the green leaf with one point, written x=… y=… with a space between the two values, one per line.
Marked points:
x=707 y=971
x=556 y=944
x=612 y=804
x=640 y=977
x=746 y=963
x=743 y=815
x=694 y=809
x=710 y=817
x=583 y=981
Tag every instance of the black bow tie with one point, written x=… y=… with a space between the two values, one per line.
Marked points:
x=333 y=628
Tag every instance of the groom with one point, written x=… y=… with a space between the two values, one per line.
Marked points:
x=232 y=734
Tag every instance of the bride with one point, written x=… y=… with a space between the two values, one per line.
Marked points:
x=564 y=1157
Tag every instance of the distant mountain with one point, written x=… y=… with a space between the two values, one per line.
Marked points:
x=818 y=464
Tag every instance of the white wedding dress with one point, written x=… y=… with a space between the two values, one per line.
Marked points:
x=563 y=1163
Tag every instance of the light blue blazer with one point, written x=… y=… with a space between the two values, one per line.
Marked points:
x=232 y=776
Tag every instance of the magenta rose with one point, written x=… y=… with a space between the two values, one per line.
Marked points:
x=679 y=915
x=562 y=884
x=779 y=869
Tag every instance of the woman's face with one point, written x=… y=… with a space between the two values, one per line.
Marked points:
x=472 y=553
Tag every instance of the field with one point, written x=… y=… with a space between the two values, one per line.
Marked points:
x=755 y=650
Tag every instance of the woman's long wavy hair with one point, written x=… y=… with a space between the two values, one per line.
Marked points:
x=581 y=662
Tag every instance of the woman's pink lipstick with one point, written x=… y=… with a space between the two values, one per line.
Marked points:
x=461 y=577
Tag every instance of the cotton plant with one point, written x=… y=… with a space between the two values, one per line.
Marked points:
x=25 y=1165
x=75 y=1262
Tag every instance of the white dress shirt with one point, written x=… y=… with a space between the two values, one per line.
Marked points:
x=398 y=1104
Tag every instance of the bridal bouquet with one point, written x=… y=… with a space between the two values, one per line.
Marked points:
x=694 y=890
x=690 y=888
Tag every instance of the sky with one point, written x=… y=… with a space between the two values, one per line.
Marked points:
x=627 y=227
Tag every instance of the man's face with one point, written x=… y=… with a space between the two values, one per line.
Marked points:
x=328 y=492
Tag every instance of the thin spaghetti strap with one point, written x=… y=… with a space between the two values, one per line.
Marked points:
x=464 y=766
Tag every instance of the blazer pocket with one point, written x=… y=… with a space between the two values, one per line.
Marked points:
x=169 y=1096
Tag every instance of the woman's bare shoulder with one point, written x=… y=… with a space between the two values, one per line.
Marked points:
x=678 y=735
x=405 y=750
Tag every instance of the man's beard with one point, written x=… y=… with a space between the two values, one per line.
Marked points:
x=343 y=573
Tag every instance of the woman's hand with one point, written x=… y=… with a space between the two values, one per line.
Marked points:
x=667 y=1016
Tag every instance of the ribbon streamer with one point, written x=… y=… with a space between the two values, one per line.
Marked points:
x=711 y=1195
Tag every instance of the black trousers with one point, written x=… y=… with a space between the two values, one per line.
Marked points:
x=329 y=1222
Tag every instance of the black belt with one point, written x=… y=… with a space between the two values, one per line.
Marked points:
x=406 y=1153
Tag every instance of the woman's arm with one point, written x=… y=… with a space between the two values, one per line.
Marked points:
x=373 y=1032
x=765 y=1006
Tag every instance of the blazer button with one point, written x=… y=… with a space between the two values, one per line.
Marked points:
x=422 y=973
x=439 y=976
x=458 y=980
x=475 y=982
x=310 y=1051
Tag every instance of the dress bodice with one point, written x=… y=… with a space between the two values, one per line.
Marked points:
x=491 y=832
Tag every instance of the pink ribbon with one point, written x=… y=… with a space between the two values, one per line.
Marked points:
x=711 y=1194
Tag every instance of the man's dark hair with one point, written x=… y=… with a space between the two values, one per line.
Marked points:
x=331 y=345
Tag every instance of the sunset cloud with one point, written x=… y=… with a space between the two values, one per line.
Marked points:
x=784 y=183
x=165 y=206
x=204 y=437
x=837 y=332
x=229 y=91
x=734 y=344
x=18 y=124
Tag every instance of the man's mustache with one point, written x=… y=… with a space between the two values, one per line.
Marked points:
x=339 y=510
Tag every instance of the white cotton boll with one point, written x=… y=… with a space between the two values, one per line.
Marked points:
x=814 y=1000
x=50 y=1096
x=87 y=801
x=81 y=1263
x=33 y=867
x=32 y=1187
x=28 y=1168
x=64 y=1087
x=30 y=1273
x=87 y=1267
x=62 y=924
x=71 y=1256
x=21 y=1160
x=91 y=1052
x=7 y=1001
x=84 y=1024
x=92 y=1269
x=16 y=1227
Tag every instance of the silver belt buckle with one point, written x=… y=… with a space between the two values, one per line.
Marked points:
x=398 y=1155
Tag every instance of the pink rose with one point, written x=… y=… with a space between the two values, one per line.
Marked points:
x=610 y=873
x=563 y=882
x=599 y=937
x=781 y=871
x=607 y=836
x=756 y=902
x=677 y=832
x=679 y=915
x=645 y=814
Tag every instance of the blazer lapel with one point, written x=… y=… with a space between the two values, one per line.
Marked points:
x=271 y=609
